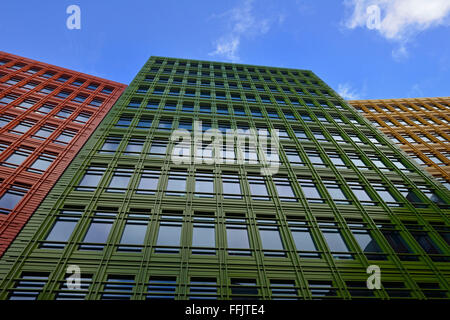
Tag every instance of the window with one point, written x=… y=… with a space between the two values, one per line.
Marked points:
x=111 y=144
x=397 y=242
x=70 y=293
x=365 y=241
x=203 y=234
x=432 y=290
x=80 y=98
x=149 y=181
x=237 y=235
x=145 y=122
x=151 y=105
x=46 y=108
x=385 y=194
x=315 y=158
x=47 y=90
x=176 y=184
x=83 y=117
x=133 y=234
x=120 y=179
x=258 y=188
x=96 y=102
x=160 y=287
x=360 y=193
x=135 y=146
x=169 y=234
x=8 y=99
x=203 y=288
x=17 y=157
x=118 y=287
x=158 y=148
x=270 y=236
x=107 y=90
x=204 y=184
x=310 y=191
x=124 y=121
x=91 y=178
x=12 y=197
x=44 y=132
x=335 y=192
x=43 y=162
x=231 y=186
x=426 y=242
x=92 y=86
x=64 y=113
x=77 y=82
x=165 y=124
x=63 y=94
x=358 y=289
x=321 y=288
x=396 y=289
x=29 y=286
x=335 y=241
x=303 y=239
x=283 y=289
x=65 y=137
x=62 y=229
x=284 y=188
x=5 y=119
x=99 y=229
x=244 y=289
x=22 y=127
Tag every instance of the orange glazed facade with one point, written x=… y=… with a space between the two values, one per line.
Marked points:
x=46 y=115
x=420 y=126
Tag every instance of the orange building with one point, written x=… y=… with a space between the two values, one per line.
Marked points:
x=420 y=126
x=46 y=115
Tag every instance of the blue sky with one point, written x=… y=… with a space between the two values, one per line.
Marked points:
x=406 y=54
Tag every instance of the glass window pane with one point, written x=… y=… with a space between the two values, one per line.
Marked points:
x=133 y=234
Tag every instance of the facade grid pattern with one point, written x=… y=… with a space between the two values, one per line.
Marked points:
x=141 y=227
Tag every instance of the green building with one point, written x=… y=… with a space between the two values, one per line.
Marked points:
x=136 y=224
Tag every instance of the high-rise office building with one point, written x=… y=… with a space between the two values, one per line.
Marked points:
x=157 y=205
x=46 y=115
x=419 y=126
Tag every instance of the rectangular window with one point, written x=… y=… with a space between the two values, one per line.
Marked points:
x=335 y=241
x=124 y=121
x=360 y=193
x=244 y=289
x=176 y=183
x=98 y=232
x=83 y=117
x=258 y=188
x=12 y=197
x=165 y=125
x=310 y=191
x=303 y=239
x=133 y=235
x=23 y=127
x=120 y=179
x=203 y=234
x=134 y=147
x=44 y=132
x=111 y=144
x=231 y=186
x=283 y=290
x=321 y=289
x=397 y=243
x=71 y=293
x=17 y=157
x=5 y=119
x=270 y=237
x=29 y=286
x=91 y=178
x=158 y=148
x=169 y=234
x=62 y=229
x=118 y=287
x=237 y=235
x=46 y=108
x=149 y=181
x=284 y=188
x=160 y=287
x=366 y=241
x=204 y=184
x=65 y=137
x=43 y=162
x=335 y=191
x=203 y=288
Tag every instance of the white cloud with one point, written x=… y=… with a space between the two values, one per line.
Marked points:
x=346 y=91
x=242 y=23
x=399 y=20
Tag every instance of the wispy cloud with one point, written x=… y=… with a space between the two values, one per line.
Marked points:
x=242 y=23
x=346 y=91
x=398 y=20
